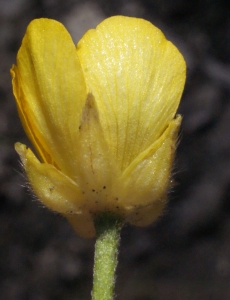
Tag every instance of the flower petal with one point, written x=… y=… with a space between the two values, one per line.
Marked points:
x=82 y=224
x=147 y=179
x=23 y=113
x=137 y=78
x=146 y=215
x=53 y=188
x=50 y=91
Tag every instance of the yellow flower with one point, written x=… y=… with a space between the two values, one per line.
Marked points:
x=101 y=117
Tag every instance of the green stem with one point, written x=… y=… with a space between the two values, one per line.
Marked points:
x=108 y=229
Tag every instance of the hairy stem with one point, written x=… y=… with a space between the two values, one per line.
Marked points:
x=108 y=229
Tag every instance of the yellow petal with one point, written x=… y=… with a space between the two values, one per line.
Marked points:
x=50 y=91
x=146 y=215
x=53 y=188
x=147 y=179
x=137 y=78
x=82 y=224
x=26 y=121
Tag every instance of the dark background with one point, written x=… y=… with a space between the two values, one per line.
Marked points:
x=186 y=254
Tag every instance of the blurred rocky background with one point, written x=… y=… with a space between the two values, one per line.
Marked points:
x=186 y=254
